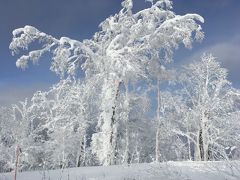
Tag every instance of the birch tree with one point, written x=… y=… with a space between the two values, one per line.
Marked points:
x=210 y=99
x=7 y=140
x=117 y=53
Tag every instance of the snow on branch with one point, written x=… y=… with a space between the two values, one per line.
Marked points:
x=67 y=53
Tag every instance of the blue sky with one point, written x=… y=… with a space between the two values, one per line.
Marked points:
x=79 y=19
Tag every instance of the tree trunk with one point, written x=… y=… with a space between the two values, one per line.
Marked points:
x=201 y=146
x=107 y=123
x=81 y=157
x=126 y=158
x=203 y=138
x=79 y=154
x=113 y=128
x=63 y=161
x=189 y=150
x=189 y=147
x=157 y=146
x=78 y=160
x=84 y=150
x=18 y=152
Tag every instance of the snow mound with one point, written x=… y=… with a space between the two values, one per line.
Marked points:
x=153 y=171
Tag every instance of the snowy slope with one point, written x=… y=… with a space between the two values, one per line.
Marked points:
x=153 y=171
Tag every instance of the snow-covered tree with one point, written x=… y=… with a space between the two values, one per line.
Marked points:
x=131 y=41
x=7 y=158
x=117 y=54
x=209 y=97
x=67 y=123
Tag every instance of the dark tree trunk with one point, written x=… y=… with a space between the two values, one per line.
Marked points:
x=81 y=157
x=113 y=123
x=201 y=147
x=18 y=152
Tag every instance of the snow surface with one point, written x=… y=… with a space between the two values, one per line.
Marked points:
x=153 y=171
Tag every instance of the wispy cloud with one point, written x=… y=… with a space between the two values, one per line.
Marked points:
x=217 y=3
x=227 y=52
x=14 y=94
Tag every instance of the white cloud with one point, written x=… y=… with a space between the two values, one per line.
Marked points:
x=228 y=53
x=13 y=94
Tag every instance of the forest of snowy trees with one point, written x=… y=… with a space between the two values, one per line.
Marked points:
x=117 y=100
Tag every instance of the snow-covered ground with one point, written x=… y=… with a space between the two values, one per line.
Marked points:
x=153 y=171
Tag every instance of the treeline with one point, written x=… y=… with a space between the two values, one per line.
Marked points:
x=116 y=102
x=196 y=118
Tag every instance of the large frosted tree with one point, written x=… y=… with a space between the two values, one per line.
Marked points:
x=212 y=110
x=116 y=54
x=100 y=111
